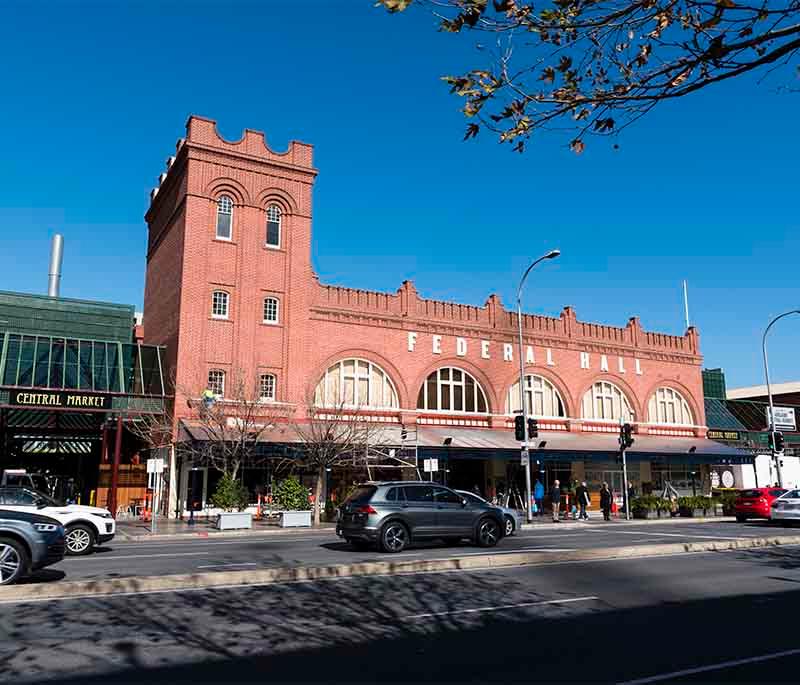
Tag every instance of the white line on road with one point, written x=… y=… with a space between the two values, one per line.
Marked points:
x=243 y=563
x=142 y=556
x=502 y=607
x=206 y=541
x=678 y=535
x=711 y=667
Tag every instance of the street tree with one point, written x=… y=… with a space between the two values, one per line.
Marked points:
x=595 y=66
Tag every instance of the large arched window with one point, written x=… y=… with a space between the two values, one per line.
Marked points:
x=356 y=383
x=541 y=398
x=274 y=226
x=224 y=218
x=451 y=389
x=669 y=406
x=605 y=401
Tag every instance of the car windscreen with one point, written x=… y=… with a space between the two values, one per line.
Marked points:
x=747 y=494
x=361 y=495
x=777 y=492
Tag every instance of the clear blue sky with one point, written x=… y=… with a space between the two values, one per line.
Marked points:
x=95 y=96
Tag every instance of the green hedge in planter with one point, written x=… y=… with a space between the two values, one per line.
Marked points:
x=230 y=494
x=650 y=506
x=696 y=506
x=290 y=495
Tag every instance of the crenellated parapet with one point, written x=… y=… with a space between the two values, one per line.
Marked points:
x=407 y=308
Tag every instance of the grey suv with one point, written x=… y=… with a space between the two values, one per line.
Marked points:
x=393 y=514
x=28 y=542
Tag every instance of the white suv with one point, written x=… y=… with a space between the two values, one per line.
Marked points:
x=85 y=526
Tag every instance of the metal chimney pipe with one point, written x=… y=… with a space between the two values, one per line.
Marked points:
x=56 y=257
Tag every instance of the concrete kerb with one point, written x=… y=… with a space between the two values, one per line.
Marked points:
x=125 y=536
x=120 y=586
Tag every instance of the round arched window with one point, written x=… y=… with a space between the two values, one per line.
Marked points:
x=667 y=405
x=452 y=389
x=605 y=401
x=356 y=383
x=541 y=398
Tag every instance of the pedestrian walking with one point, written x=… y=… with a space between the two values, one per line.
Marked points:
x=555 y=499
x=582 y=495
x=538 y=497
x=605 y=501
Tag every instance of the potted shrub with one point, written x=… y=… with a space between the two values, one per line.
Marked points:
x=232 y=497
x=692 y=507
x=645 y=507
x=292 y=499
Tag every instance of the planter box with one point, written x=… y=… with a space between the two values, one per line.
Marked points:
x=645 y=514
x=692 y=513
x=296 y=519
x=234 y=520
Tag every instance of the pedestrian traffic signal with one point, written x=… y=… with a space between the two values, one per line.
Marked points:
x=626 y=436
x=519 y=428
x=533 y=428
x=778 y=443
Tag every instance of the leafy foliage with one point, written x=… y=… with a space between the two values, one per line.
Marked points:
x=650 y=503
x=595 y=66
x=230 y=494
x=290 y=495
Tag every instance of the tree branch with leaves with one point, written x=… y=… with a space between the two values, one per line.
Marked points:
x=594 y=67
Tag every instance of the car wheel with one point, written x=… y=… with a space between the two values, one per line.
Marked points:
x=740 y=519
x=394 y=537
x=14 y=561
x=488 y=532
x=509 y=526
x=79 y=539
x=360 y=545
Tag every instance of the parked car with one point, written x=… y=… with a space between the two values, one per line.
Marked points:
x=394 y=514
x=85 y=526
x=786 y=508
x=511 y=517
x=755 y=503
x=28 y=542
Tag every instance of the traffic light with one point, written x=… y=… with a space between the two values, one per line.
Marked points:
x=403 y=434
x=626 y=436
x=519 y=428
x=779 y=442
x=533 y=428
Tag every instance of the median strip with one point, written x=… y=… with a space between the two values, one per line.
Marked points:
x=471 y=562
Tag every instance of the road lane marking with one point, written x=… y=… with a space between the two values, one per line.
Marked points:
x=243 y=563
x=502 y=607
x=679 y=535
x=711 y=667
x=206 y=541
x=142 y=556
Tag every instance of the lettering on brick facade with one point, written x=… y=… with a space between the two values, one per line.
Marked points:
x=437 y=344
x=485 y=349
x=621 y=365
x=584 y=360
x=461 y=347
x=508 y=352
x=603 y=362
x=529 y=356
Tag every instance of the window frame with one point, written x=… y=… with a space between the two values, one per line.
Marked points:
x=261 y=396
x=226 y=315
x=671 y=401
x=341 y=376
x=271 y=322
x=531 y=391
x=220 y=211
x=271 y=209
x=446 y=386
x=604 y=397
x=223 y=379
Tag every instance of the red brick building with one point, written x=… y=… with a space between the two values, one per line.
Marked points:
x=230 y=286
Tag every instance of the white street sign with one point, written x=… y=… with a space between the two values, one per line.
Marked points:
x=431 y=465
x=784 y=419
x=524 y=459
x=155 y=466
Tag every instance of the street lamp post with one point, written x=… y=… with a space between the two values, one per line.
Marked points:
x=775 y=459
x=526 y=460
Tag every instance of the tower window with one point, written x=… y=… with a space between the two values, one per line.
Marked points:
x=224 y=217
x=273 y=226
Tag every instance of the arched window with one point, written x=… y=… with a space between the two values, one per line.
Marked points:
x=271 y=310
x=274 y=226
x=216 y=382
x=356 y=383
x=541 y=398
x=266 y=387
x=605 y=401
x=224 y=217
x=219 y=304
x=451 y=389
x=669 y=406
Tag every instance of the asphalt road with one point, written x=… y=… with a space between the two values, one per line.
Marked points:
x=199 y=555
x=717 y=616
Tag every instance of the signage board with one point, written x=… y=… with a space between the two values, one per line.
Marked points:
x=431 y=465
x=784 y=419
x=155 y=466
x=59 y=399
x=524 y=459
x=723 y=435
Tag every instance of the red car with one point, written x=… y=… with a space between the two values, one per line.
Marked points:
x=755 y=503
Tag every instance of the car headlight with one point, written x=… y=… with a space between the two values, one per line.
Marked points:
x=46 y=527
x=105 y=515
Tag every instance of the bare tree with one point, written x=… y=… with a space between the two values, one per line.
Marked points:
x=596 y=66
x=334 y=436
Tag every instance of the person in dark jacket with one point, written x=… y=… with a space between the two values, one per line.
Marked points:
x=555 y=499
x=582 y=497
x=605 y=501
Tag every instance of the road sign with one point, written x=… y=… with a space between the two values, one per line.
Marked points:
x=524 y=459
x=784 y=419
x=431 y=465
x=155 y=466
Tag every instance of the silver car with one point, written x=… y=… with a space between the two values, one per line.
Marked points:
x=511 y=517
x=786 y=508
x=396 y=513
